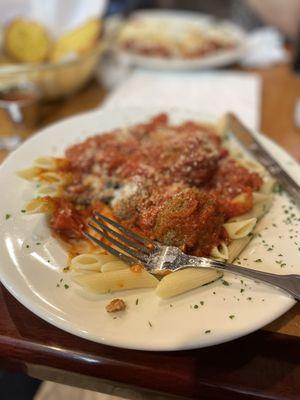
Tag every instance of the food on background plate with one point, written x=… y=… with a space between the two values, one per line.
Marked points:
x=172 y=39
x=78 y=41
x=27 y=41
x=183 y=185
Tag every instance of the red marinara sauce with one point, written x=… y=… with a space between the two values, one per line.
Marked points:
x=234 y=185
x=188 y=185
x=68 y=221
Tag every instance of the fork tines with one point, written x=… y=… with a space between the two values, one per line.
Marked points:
x=136 y=247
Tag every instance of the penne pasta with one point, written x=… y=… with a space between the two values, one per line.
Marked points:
x=29 y=174
x=92 y=261
x=100 y=251
x=236 y=152
x=52 y=177
x=236 y=247
x=221 y=124
x=259 y=208
x=49 y=190
x=241 y=228
x=87 y=262
x=48 y=163
x=38 y=205
x=187 y=279
x=262 y=203
x=253 y=166
x=106 y=258
x=259 y=197
x=240 y=198
x=220 y=252
x=81 y=246
x=114 y=266
x=107 y=282
x=268 y=185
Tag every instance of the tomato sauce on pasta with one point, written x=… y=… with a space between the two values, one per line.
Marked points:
x=176 y=184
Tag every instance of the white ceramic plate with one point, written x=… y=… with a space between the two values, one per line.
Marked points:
x=220 y=58
x=31 y=271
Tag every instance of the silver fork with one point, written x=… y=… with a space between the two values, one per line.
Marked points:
x=157 y=258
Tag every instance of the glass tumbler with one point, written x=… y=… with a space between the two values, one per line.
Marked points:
x=18 y=113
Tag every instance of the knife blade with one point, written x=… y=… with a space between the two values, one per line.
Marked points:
x=246 y=138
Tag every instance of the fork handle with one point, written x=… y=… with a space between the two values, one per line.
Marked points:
x=289 y=283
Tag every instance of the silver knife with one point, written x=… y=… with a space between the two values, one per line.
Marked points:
x=259 y=152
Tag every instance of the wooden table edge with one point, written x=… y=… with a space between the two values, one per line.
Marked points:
x=229 y=370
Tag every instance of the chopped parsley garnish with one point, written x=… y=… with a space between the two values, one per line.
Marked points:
x=27 y=246
x=38 y=243
x=258 y=260
x=57 y=285
x=196 y=306
x=61 y=279
x=249 y=298
x=231 y=316
x=281 y=263
x=278 y=189
x=242 y=290
x=149 y=323
x=225 y=282
x=23 y=211
x=7 y=216
x=66 y=286
x=208 y=331
x=136 y=302
x=202 y=303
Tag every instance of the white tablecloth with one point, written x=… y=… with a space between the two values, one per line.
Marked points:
x=207 y=92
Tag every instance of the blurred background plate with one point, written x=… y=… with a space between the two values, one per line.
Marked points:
x=218 y=58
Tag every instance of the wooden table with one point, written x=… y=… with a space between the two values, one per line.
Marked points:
x=264 y=365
